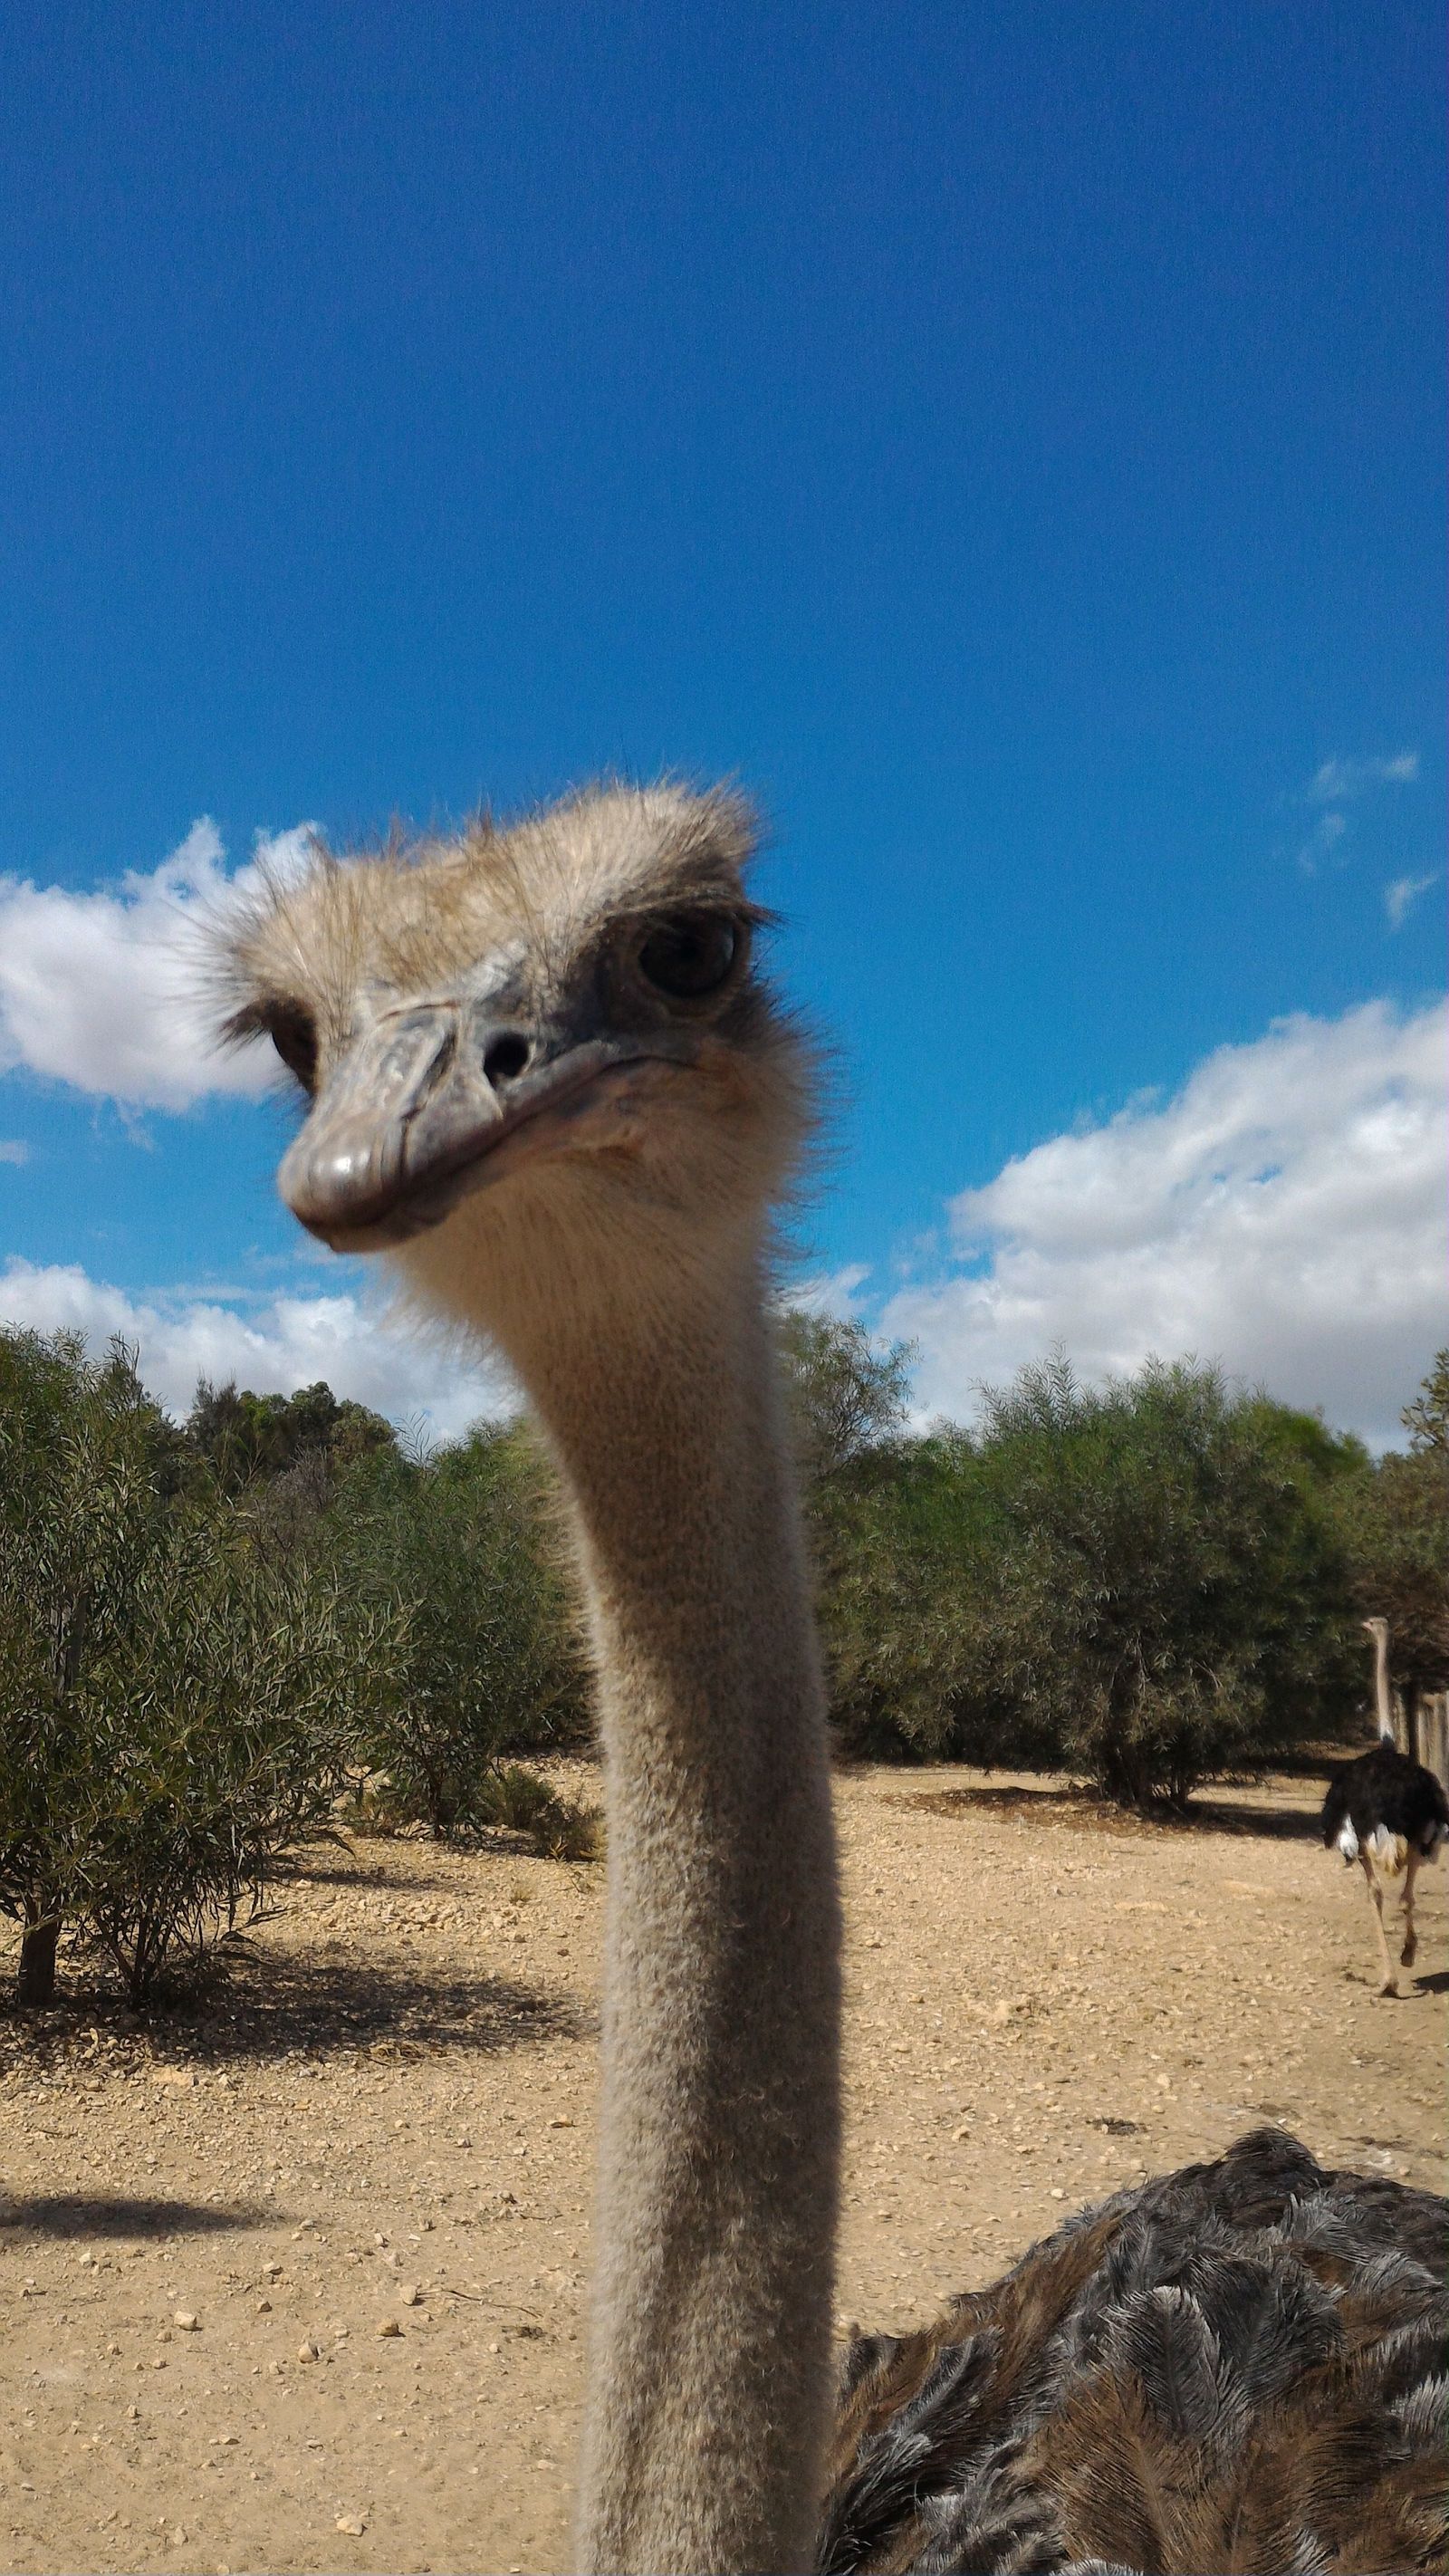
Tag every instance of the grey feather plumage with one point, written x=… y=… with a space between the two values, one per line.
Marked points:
x=1237 y=2367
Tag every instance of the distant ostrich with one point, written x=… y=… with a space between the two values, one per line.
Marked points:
x=547 y=1077
x=1387 y=1813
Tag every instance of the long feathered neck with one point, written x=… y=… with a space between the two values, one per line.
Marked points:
x=710 y=2378
x=1382 y=1703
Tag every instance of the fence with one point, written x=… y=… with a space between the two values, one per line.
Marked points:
x=1421 y=1729
x=1433 y=1716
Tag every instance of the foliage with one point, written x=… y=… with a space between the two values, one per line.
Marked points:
x=1142 y=1584
x=1169 y=1603
x=79 y=1509
x=179 y=1701
x=908 y=1561
x=204 y=1633
x=522 y=1803
x=847 y=1399
x=210 y=1763
x=1427 y=1419
x=883 y=1553
x=489 y=1663
x=1395 y=1525
x=242 y=1437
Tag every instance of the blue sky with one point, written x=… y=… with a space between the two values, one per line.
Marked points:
x=1006 y=438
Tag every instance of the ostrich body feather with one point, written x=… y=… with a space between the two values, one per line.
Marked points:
x=1235 y=2370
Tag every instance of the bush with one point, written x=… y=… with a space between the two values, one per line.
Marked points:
x=847 y=1399
x=488 y=1663
x=210 y=1761
x=79 y=1512
x=179 y=1702
x=244 y=1438
x=1394 y=1521
x=906 y=1557
x=1146 y=1584
x=518 y=1801
x=1171 y=1600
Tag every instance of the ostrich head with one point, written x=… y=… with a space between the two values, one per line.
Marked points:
x=540 y=1063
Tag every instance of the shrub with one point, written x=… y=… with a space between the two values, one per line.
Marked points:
x=1145 y=1583
x=209 y=1760
x=520 y=1802
x=1170 y=1598
x=244 y=1437
x=79 y=1511
x=488 y=1663
x=1394 y=1520
x=906 y=1559
x=847 y=1399
x=179 y=1701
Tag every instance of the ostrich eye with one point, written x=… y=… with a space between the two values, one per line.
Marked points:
x=293 y=1033
x=690 y=954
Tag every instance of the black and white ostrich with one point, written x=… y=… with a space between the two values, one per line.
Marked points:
x=1387 y=1813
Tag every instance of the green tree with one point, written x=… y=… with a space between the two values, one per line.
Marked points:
x=1146 y=1583
x=80 y=1504
x=244 y=1437
x=178 y=1700
x=882 y=1530
x=847 y=1398
x=490 y=1664
x=908 y=1562
x=208 y=1760
x=1394 y=1520
x=1426 y=1419
x=1171 y=1597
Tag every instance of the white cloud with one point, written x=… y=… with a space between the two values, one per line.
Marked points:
x=1335 y=781
x=104 y=990
x=1283 y=1213
x=273 y=1345
x=1402 y=894
x=1322 y=842
x=829 y=1292
x=12 y=1150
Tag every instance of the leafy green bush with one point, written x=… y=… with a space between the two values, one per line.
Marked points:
x=847 y=1398
x=1169 y=1601
x=1394 y=1523
x=244 y=1437
x=907 y=1561
x=489 y=1663
x=1146 y=1584
x=208 y=1761
x=79 y=1512
x=179 y=1702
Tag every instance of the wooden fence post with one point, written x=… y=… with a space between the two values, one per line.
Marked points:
x=1433 y=1732
x=1404 y=1712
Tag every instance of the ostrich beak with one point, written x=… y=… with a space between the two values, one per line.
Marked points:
x=421 y=1107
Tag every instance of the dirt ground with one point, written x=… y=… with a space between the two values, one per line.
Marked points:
x=298 y=2283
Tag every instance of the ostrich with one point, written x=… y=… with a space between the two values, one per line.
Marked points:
x=1387 y=1813
x=546 y=1077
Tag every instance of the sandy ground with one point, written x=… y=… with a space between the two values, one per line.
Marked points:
x=298 y=2284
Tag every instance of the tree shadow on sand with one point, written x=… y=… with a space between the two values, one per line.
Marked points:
x=1083 y=1812
x=72 y=2214
x=360 y=1876
x=277 y=2006
x=285 y=2005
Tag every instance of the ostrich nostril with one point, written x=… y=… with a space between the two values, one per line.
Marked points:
x=506 y=1057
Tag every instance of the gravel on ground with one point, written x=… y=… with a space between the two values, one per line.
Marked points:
x=297 y=2282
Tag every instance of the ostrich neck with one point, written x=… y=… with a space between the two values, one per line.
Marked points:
x=709 y=2391
x=1382 y=1702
